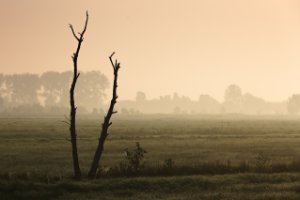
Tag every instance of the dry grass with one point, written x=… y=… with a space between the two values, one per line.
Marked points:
x=35 y=157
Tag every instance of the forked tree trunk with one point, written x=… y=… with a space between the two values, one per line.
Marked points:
x=76 y=167
x=106 y=124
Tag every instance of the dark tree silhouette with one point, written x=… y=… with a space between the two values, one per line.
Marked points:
x=79 y=38
x=106 y=124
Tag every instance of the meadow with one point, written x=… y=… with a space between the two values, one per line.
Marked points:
x=35 y=157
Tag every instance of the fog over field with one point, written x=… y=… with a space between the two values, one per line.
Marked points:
x=48 y=93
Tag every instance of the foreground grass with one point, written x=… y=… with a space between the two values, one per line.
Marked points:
x=238 y=186
x=41 y=145
x=35 y=158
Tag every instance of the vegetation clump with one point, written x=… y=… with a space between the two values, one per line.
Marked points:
x=133 y=161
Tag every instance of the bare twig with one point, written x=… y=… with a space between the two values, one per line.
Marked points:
x=66 y=122
x=80 y=38
x=72 y=29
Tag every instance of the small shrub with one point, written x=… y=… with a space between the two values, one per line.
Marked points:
x=133 y=160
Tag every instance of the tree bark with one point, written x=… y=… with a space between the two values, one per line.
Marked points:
x=73 y=134
x=106 y=124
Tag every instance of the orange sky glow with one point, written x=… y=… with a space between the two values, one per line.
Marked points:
x=191 y=47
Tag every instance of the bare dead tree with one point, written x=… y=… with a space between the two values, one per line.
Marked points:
x=79 y=38
x=107 y=123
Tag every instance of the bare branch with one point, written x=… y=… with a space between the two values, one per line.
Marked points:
x=66 y=122
x=113 y=53
x=73 y=31
x=86 y=23
x=111 y=61
x=84 y=29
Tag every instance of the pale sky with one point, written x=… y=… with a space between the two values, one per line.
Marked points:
x=191 y=47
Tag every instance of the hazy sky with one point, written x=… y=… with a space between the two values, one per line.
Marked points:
x=191 y=47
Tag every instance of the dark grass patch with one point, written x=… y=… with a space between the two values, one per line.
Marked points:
x=188 y=187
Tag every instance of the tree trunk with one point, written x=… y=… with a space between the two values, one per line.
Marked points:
x=106 y=124
x=76 y=167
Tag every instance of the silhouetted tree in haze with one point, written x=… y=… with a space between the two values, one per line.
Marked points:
x=49 y=90
x=140 y=97
x=90 y=91
x=293 y=105
x=79 y=38
x=52 y=83
x=207 y=104
x=253 y=105
x=107 y=123
x=233 y=99
x=22 y=88
x=233 y=94
x=64 y=90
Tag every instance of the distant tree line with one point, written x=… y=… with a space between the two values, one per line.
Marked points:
x=235 y=102
x=49 y=92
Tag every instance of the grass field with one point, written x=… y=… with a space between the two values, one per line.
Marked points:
x=229 y=187
x=37 y=146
